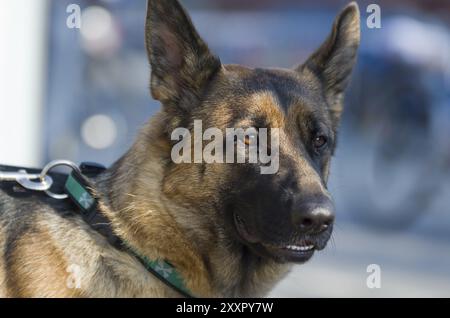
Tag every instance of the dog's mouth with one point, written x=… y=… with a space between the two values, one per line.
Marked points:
x=298 y=252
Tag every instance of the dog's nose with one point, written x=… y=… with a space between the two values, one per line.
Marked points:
x=314 y=215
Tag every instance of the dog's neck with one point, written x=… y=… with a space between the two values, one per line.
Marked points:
x=210 y=262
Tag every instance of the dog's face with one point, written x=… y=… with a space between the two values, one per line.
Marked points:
x=285 y=215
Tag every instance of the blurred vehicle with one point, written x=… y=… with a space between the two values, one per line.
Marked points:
x=398 y=115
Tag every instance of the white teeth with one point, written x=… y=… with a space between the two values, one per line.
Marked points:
x=299 y=248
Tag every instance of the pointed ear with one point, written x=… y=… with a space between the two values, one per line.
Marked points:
x=181 y=62
x=334 y=60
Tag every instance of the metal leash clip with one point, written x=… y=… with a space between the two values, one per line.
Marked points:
x=30 y=181
x=38 y=182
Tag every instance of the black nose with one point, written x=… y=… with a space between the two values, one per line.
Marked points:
x=313 y=215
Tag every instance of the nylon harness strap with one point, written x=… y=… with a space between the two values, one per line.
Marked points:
x=78 y=188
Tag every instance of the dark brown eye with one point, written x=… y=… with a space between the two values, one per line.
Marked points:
x=252 y=137
x=319 y=141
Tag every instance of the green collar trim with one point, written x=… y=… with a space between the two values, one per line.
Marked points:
x=77 y=189
x=79 y=194
x=165 y=271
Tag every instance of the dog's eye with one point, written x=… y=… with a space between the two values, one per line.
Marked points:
x=319 y=141
x=251 y=139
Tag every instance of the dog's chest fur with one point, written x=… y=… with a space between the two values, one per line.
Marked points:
x=49 y=255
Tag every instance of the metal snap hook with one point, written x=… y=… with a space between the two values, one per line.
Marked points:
x=26 y=181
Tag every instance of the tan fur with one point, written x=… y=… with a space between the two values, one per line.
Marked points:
x=36 y=251
x=266 y=105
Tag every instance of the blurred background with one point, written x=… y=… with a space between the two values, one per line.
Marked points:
x=82 y=94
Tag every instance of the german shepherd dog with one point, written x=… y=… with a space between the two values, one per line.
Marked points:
x=229 y=230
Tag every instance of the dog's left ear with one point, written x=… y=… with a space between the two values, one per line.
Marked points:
x=181 y=61
x=334 y=60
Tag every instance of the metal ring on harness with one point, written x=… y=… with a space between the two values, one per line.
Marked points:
x=50 y=166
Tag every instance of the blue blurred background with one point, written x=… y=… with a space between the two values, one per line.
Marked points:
x=82 y=94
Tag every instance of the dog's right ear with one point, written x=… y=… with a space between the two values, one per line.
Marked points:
x=181 y=61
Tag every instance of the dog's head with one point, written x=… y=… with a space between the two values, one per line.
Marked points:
x=285 y=215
